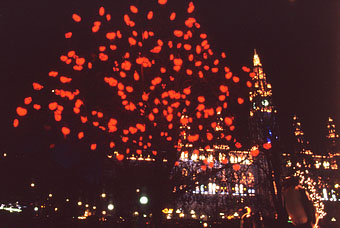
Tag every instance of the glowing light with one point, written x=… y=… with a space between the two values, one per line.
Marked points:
x=143 y=200
x=256 y=60
x=110 y=207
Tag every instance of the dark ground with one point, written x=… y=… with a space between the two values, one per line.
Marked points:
x=8 y=220
x=18 y=220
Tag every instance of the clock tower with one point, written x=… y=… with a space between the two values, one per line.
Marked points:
x=263 y=132
x=262 y=116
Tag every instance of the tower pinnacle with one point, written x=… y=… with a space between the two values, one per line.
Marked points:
x=256 y=59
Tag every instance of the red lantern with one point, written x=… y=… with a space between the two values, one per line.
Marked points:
x=236 y=167
x=267 y=146
x=21 y=111
x=225 y=161
x=255 y=153
x=120 y=157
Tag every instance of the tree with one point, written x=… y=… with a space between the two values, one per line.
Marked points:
x=125 y=88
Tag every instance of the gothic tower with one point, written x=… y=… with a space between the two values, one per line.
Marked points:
x=262 y=117
x=264 y=131
x=301 y=144
x=332 y=138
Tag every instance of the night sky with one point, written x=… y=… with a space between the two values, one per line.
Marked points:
x=298 y=42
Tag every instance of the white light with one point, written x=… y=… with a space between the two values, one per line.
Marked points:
x=80 y=203
x=104 y=212
x=103 y=195
x=144 y=200
x=110 y=207
x=5 y=154
x=50 y=195
x=36 y=209
x=67 y=200
x=94 y=207
x=32 y=185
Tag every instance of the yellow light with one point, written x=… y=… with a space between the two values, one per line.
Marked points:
x=56 y=209
x=50 y=195
x=205 y=224
x=103 y=212
x=165 y=210
x=256 y=59
x=336 y=186
x=79 y=203
x=103 y=195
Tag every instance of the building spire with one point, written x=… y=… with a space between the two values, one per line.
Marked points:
x=256 y=59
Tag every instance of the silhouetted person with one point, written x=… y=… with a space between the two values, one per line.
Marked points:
x=297 y=203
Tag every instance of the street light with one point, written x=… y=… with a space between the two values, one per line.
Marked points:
x=110 y=207
x=143 y=200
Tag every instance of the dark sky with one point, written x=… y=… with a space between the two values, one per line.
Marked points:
x=298 y=42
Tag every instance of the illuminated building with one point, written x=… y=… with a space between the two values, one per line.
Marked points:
x=318 y=172
x=222 y=179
